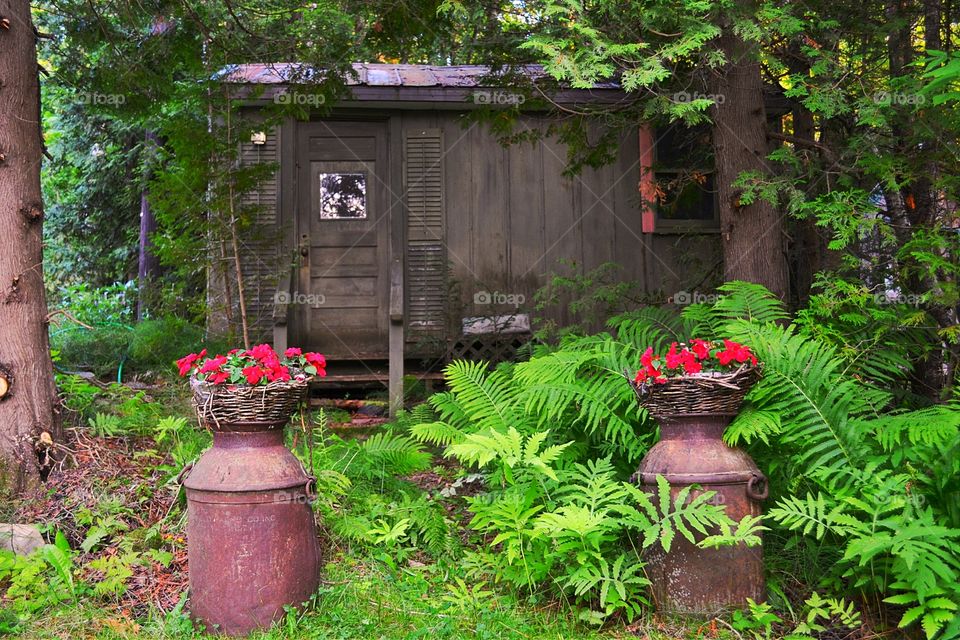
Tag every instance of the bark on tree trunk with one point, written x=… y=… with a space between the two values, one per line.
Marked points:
x=28 y=409
x=147 y=263
x=752 y=235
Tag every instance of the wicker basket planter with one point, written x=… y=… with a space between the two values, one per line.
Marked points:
x=702 y=393
x=227 y=404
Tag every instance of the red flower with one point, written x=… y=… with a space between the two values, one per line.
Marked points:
x=213 y=364
x=218 y=377
x=293 y=351
x=278 y=372
x=316 y=360
x=673 y=358
x=647 y=358
x=186 y=363
x=701 y=348
x=262 y=352
x=735 y=352
x=253 y=374
x=690 y=363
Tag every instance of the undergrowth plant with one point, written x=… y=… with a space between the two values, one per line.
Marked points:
x=868 y=486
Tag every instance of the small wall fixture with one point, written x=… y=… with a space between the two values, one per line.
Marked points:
x=258 y=137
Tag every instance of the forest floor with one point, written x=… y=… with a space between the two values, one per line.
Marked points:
x=116 y=502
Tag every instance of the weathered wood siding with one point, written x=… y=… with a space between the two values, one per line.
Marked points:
x=512 y=218
x=480 y=218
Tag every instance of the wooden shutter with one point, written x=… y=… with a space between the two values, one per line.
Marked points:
x=260 y=242
x=426 y=259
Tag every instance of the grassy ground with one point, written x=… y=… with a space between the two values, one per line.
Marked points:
x=365 y=598
x=119 y=511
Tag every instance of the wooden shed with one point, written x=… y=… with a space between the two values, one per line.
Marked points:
x=394 y=217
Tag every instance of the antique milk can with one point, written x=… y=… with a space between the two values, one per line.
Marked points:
x=688 y=579
x=252 y=543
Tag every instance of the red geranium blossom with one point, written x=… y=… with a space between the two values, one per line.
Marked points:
x=701 y=348
x=253 y=374
x=681 y=360
x=257 y=366
x=213 y=364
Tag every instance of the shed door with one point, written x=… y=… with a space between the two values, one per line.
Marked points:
x=343 y=230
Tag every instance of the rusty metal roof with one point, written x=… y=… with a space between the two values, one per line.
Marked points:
x=382 y=75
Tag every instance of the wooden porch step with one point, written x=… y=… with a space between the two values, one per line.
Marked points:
x=373 y=377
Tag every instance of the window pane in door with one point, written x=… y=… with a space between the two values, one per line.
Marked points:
x=343 y=196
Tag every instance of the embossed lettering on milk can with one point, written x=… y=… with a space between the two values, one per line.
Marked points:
x=693 y=410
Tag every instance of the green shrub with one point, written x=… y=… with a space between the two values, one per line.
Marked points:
x=114 y=304
x=99 y=350
x=867 y=486
x=157 y=343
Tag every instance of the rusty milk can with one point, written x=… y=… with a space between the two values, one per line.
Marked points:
x=251 y=535
x=691 y=580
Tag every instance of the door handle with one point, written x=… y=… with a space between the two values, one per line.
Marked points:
x=304 y=245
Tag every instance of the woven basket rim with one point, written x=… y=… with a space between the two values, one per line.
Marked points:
x=696 y=393
x=243 y=402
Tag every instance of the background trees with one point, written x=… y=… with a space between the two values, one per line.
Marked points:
x=846 y=192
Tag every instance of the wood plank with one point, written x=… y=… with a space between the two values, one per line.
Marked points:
x=527 y=220
x=561 y=207
x=491 y=222
x=597 y=215
x=631 y=245
x=459 y=176
x=397 y=214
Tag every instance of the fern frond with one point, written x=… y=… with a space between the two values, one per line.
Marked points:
x=480 y=399
x=394 y=454
x=437 y=433
x=752 y=424
x=646 y=327
x=813 y=514
x=801 y=383
x=934 y=426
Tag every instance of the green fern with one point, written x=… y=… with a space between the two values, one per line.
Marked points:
x=815 y=515
x=661 y=517
x=802 y=385
x=480 y=399
x=737 y=301
x=518 y=457
x=935 y=426
x=753 y=424
x=388 y=453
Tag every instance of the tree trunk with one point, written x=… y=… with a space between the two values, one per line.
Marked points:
x=752 y=235
x=28 y=409
x=147 y=263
